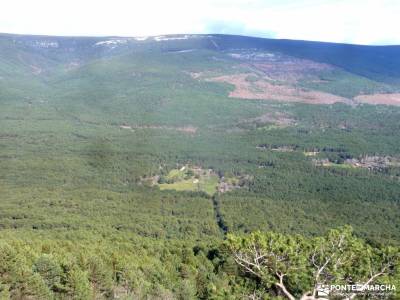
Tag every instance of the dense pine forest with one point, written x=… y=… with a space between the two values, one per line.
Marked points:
x=197 y=167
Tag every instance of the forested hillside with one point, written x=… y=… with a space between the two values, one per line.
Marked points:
x=143 y=168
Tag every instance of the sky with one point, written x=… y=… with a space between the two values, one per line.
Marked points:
x=369 y=22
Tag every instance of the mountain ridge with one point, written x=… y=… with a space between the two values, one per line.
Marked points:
x=4 y=34
x=381 y=63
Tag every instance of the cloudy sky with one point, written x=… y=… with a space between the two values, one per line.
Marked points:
x=374 y=22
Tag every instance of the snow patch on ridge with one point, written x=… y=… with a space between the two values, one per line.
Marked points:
x=111 y=42
x=183 y=51
x=43 y=44
x=161 y=38
x=141 y=38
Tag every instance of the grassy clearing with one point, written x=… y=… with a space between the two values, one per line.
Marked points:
x=184 y=185
x=185 y=179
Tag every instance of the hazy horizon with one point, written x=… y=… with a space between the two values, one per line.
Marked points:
x=186 y=33
x=368 y=22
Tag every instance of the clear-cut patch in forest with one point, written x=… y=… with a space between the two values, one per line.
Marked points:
x=278 y=148
x=268 y=121
x=388 y=99
x=186 y=129
x=196 y=179
x=251 y=86
x=367 y=162
x=279 y=67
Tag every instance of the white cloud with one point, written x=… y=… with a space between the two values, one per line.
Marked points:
x=352 y=21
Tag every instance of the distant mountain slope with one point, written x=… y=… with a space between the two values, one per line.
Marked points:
x=381 y=63
x=242 y=67
x=375 y=62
